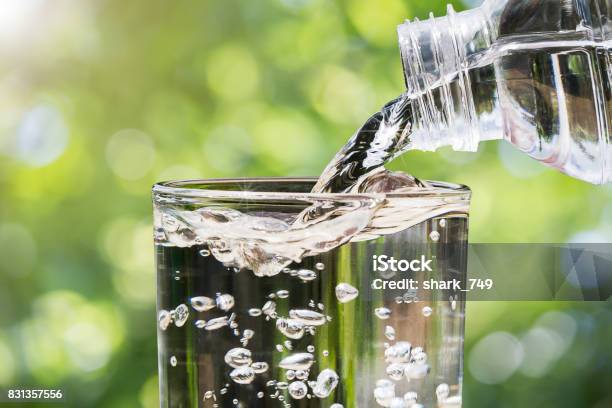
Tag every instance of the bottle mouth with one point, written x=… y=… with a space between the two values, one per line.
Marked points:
x=434 y=56
x=286 y=189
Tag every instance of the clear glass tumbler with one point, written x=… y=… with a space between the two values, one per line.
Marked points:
x=270 y=296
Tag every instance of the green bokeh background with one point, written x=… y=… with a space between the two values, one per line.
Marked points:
x=100 y=99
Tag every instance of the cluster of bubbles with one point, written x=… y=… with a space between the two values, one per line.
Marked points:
x=306 y=275
x=244 y=369
x=406 y=363
x=403 y=362
x=297 y=366
x=178 y=316
x=298 y=322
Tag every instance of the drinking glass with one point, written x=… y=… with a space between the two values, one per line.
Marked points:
x=310 y=325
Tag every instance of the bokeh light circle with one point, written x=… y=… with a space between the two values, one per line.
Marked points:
x=495 y=358
x=130 y=154
x=42 y=136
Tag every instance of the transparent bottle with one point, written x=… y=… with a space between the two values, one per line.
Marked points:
x=536 y=73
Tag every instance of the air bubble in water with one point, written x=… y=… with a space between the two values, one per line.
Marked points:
x=442 y=223
x=288 y=345
x=208 y=394
x=235 y=401
x=416 y=371
x=310 y=348
x=260 y=367
x=242 y=375
x=216 y=323
x=395 y=371
x=308 y=317
x=442 y=392
x=238 y=357
x=411 y=397
x=301 y=374
x=260 y=394
x=200 y=324
x=297 y=361
x=390 y=333
x=420 y=358
x=173 y=361
x=181 y=313
x=291 y=328
x=345 y=292
x=398 y=353
x=327 y=380
x=269 y=308
x=254 y=312
x=306 y=275
x=202 y=303
x=225 y=302
x=248 y=334
x=325 y=353
x=434 y=236
x=427 y=311
x=165 y=318
x=382 y=313
x=320 y=266
x=384 y=392
x=336 y=405
x=281 y=385
x=298 y=390
x=290 y=374
x=204 y=252
x=282 y=294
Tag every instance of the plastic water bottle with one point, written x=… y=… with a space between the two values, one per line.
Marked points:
x=536 y=73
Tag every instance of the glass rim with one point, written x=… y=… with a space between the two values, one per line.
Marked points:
x=185 y=189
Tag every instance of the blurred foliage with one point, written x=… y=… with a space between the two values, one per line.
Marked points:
x=100 y=99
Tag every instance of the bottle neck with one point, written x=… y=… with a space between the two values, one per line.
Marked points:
x=438 y=56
